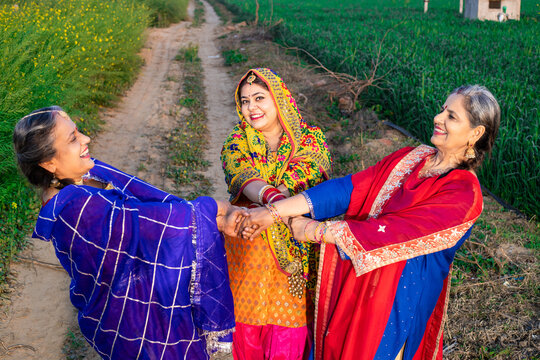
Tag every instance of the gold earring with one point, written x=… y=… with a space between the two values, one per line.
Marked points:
x=470 y=154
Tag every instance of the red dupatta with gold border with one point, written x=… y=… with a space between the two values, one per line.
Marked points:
x=380 y=232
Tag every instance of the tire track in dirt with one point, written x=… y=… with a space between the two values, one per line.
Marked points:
x=133 y=136
x=219 y=88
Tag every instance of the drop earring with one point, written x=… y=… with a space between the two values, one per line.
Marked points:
x=470 y=154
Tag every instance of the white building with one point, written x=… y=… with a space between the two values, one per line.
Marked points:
x=492 y=10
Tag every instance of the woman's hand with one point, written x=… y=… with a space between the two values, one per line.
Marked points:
x=301 y=226
x=307 y=230
x=259 y=220
x=229 y=218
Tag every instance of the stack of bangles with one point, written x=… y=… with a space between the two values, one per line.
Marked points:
x=320 y=232
x=269 y=194
x=274 y=213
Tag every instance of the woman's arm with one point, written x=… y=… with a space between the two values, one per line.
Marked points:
x=328 y=199
x=260 y=192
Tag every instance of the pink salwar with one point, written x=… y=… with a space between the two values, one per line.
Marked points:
x=262 y=342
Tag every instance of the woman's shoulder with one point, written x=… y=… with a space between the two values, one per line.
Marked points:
x=236 y=135
x=403 y=151
x=306 y=128
x=461 y=175
x=312 y=133
x=237 y=130
x=396 y=156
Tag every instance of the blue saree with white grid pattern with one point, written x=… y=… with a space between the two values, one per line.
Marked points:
x=148 y=269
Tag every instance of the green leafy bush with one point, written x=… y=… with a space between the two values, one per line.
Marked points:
x=165 y=12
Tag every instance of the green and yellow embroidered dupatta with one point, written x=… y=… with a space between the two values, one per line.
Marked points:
x=302 y=161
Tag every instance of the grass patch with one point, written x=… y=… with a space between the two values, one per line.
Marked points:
x=166 y=12
x=198 y=14
x=187 y=141
x=234 y=56
x=77 y=54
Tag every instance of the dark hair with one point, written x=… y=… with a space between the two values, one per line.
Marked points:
x=33 y=141
x=244 y=81
x=482 y=109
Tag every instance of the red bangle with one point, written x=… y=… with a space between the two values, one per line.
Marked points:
x=269 y=194
x=261 y=191
x=276 y=197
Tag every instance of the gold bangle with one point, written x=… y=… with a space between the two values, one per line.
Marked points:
x=305 y=228
x=319 y=230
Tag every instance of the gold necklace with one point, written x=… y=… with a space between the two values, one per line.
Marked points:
x=432 y=172
x=429 y=172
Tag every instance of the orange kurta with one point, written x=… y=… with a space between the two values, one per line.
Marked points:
x=260 y=289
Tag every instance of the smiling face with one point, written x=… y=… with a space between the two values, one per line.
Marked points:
x=453 y=133
x=72 y=159
x=259 y=109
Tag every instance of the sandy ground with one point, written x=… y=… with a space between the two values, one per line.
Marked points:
x=36 y=323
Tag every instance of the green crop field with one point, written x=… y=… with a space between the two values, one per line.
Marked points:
x=426 y=57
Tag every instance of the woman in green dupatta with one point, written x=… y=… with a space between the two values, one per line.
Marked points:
x=271 y=154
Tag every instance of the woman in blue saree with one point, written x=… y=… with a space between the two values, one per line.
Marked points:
x=148 y=270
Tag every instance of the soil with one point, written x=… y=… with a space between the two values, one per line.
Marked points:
x=36 y=323
x=219 y=88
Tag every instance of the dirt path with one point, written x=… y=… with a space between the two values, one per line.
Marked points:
x=133 y=136
x=220 y=99
x=132 y=140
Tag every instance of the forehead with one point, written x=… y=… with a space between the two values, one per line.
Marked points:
x=248 y=90
x=455 y=102
x=63 y=125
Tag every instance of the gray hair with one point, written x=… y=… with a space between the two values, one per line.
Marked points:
x=33 y=141
x=482 y=109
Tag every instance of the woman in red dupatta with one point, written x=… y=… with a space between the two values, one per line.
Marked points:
x=384 y=273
